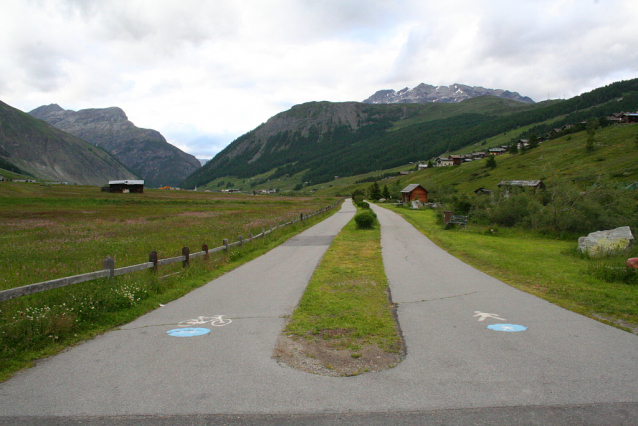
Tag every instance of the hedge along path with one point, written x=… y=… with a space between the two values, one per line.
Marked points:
x=345 y=323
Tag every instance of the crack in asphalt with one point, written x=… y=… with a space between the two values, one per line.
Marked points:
x=439 y=298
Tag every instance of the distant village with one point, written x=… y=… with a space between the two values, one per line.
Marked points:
x=521 y=144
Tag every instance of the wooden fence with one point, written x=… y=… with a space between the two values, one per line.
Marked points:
x=109 y=270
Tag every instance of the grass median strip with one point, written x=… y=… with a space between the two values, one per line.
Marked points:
x=344 y=324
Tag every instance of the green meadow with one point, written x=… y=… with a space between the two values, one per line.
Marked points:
x=48 y=232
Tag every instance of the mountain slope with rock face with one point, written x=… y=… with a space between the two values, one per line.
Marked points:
x=425 y=93
x=144 y=151
x=48 y=153
x=316 y=141
x=326 y=139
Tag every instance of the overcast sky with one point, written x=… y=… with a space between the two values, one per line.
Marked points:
x=204 y=72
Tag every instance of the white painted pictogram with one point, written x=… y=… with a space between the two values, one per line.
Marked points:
x=215 y=320
x=483 y=315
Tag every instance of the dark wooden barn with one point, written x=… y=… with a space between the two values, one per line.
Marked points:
x=126 y=186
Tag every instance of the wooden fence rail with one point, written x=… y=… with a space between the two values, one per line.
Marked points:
x=109 y=270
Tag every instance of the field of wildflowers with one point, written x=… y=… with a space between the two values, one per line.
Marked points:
x=48 y=232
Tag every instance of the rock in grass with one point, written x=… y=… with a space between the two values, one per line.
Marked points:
x=606 y=242
x=632 y=262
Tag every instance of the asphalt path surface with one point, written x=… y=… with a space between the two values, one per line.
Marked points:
x=560 y=368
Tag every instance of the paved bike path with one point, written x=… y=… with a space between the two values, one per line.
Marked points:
x=454 y=361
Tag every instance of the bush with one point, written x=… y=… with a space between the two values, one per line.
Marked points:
x=357 y=196
x=365 y=220
x=363 y=205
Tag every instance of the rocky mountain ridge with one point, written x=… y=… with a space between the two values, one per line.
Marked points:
x=48 y=153
x=323 y=138
x=425 y=93
x=144 y=151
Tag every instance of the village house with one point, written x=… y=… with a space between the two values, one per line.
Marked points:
x=629 y=117
x=614 y=118
x=483 y=191
x=522 y=143
x=414 y=192
x=457 y=159
x=443 y=162
x=496 y=151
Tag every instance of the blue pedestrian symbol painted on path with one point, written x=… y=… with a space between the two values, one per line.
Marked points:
x=507 y=327
x=188 y=332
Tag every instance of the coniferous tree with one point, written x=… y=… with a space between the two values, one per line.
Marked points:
x=491 y=162
x=385 y=193
x=533 y=141
x=374 y=191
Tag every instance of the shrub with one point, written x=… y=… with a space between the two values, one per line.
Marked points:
x=363 y=205
x=490 y=163
x=365 y=220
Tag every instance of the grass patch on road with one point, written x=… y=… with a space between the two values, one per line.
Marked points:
x=548 y=268
x=344 y=318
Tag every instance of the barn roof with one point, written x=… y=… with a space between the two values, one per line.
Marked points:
x=411 y=188
x=520 y=183
x=126 y=182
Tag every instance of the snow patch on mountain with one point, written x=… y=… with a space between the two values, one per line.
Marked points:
x=425 y=93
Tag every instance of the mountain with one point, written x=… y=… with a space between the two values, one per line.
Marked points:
x=320 y=140
x=327 y=139
x=145 y=152
x=39 y=149
x=424 y=93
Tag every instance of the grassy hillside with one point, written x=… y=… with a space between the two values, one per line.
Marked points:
x=614 y=159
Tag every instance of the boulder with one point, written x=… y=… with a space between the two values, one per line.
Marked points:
x=606 y=242
x=416 y=204
x=632 y=262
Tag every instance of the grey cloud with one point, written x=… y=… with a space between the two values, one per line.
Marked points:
x=41 y=64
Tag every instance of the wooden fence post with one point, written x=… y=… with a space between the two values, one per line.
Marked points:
x=152 y=257
x=250 y=236
x=187 y=257
x=241 y=241
x=205 y=250
x=225 y=244
x=109 y=263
